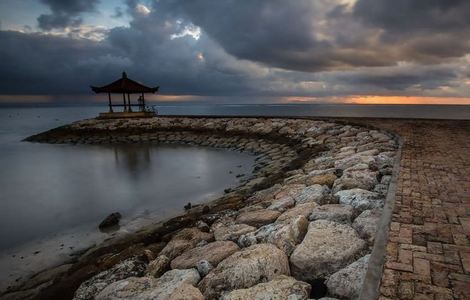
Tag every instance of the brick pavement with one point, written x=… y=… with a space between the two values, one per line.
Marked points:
x=428 y=250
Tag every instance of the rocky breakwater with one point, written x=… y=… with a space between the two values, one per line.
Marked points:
x=302 y=226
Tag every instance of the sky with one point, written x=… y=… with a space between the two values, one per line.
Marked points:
x=237 y=51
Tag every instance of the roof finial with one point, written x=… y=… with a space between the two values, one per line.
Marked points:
x=124 y=75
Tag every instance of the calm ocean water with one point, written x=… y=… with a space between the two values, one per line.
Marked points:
x=54 y=196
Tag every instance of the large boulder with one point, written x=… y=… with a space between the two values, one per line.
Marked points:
x=258 y=217
x=356 y=177
x=285 y=235
x=213 y=252
x=365 y=157
x=158 y=266
x=244 y=269
x=347 y=282
x=282 y=204
x=303 y=209
x=366 y=224
x=360 y=199
x=327 y=247
x=289 y=190
x=334 y=212
x=128 y=268
x=323 y=179
x=227 y=230
x=314 y=193
x=171 y=285
x=280 y=288
x=184 y=240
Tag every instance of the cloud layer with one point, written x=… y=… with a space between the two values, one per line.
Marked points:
x=249 y=48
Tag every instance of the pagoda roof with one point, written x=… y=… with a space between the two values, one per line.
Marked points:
x=124 y=85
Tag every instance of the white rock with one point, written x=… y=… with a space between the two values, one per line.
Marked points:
x=334 y=212
x=327 y=247
x=280 y=288
x=285 y=235
x=314 y=193
x=128 y=268
x=347 y=283
x=244 y=269
x=169 y=285
x=366 y=224
x=299 y=210
x=360 y=199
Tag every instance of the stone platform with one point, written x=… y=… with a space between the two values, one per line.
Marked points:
x=127 y=115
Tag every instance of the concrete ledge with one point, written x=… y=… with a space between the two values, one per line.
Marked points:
x=126 y=115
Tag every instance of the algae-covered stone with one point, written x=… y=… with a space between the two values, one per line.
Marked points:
x=327 y=247
x=158 y=266
x=128 y=268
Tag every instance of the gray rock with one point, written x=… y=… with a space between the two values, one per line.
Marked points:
x=213 y=252
x=360 y=157
x=358 y=176
x=171 y=285
x=282 y=204
x=128 y=268
x=285 y=235
x=347 y=283
x=366 y=224
x=327 y=247
x=340 y=213
x=204 y=267
x=227 y=230
x=244 y=269
x=360 y=199
x=111 y=220
x=314 y=193
x=202 y=226
x=280 y=288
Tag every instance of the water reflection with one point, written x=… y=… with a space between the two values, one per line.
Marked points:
x=134 y=159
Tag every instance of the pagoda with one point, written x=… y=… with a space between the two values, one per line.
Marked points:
x=126 y=86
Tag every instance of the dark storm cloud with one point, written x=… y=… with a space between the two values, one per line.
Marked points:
x=244 y=48
x=427 y=78
x=405 y=17
x=425 y=31
x=65 y=13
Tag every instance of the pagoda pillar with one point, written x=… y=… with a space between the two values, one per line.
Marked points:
x=124 y=100
x=129 y=102
x=109 y=102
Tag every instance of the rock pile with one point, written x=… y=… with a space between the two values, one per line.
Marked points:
x=316 y=222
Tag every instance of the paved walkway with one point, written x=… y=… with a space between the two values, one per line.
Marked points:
x=428 y=250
